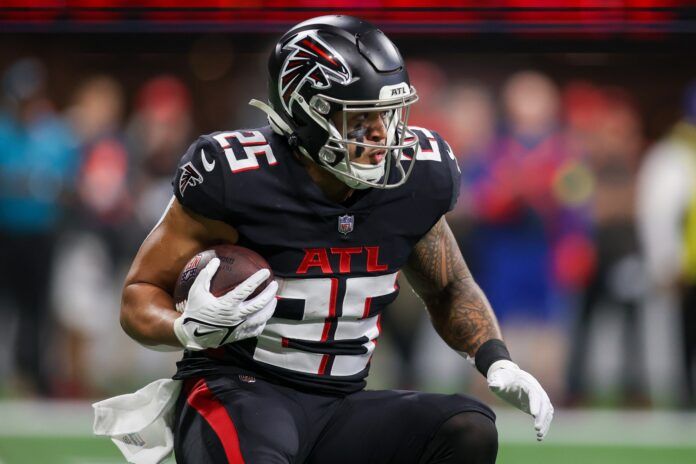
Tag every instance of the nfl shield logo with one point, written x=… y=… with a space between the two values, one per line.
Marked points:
x=345 y=224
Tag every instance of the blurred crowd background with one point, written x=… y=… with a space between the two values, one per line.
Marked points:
x=577 y=213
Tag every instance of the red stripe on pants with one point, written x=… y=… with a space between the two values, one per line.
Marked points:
x=202 y=400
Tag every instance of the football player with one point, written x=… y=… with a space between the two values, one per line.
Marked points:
x=339 y=195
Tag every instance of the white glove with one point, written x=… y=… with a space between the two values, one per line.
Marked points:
x=209 y=321
x=523 y=391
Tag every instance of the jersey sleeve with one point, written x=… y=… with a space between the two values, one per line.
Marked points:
x=438 y=171
x=199 y=183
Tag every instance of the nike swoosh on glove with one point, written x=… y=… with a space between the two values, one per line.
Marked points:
x=209 y=321
x=523 y=391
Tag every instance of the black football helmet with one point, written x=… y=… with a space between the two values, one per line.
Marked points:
x=340 y=63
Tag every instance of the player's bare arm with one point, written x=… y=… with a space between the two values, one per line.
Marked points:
x=463 y=317
x=147 y=308
x=459 y=310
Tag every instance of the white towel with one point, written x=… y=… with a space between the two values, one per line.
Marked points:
x=140 y=423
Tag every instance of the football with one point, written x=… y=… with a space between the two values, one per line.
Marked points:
x=236 y=265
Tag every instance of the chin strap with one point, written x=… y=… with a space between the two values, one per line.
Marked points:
x=364 y=172
x=277 y=123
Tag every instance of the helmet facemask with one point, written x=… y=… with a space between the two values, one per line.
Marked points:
x=334 y=155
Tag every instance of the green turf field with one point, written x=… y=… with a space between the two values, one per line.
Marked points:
x=50 y=433
x=594 y=454
x=85 y=450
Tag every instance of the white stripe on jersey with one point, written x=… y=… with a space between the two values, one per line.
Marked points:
x=352 y=329
x=316 y=294
x=270 y=350
x=359 y=289
x=349 y=365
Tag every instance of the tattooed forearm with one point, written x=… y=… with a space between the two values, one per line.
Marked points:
x=460 y=312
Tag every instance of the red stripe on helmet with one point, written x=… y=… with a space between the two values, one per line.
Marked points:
x=314 y=47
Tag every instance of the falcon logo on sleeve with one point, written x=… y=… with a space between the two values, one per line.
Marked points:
x=189 y=177
x=312 y=61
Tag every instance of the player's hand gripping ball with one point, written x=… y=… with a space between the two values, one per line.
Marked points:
x=225 y=294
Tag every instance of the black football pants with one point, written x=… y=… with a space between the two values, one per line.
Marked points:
x=242 y=419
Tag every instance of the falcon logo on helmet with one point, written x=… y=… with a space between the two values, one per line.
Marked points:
x=312 y=61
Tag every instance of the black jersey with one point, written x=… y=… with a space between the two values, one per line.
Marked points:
x=336 y=264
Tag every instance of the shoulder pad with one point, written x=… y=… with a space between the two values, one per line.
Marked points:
x=199 y=182
x=440 y=161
